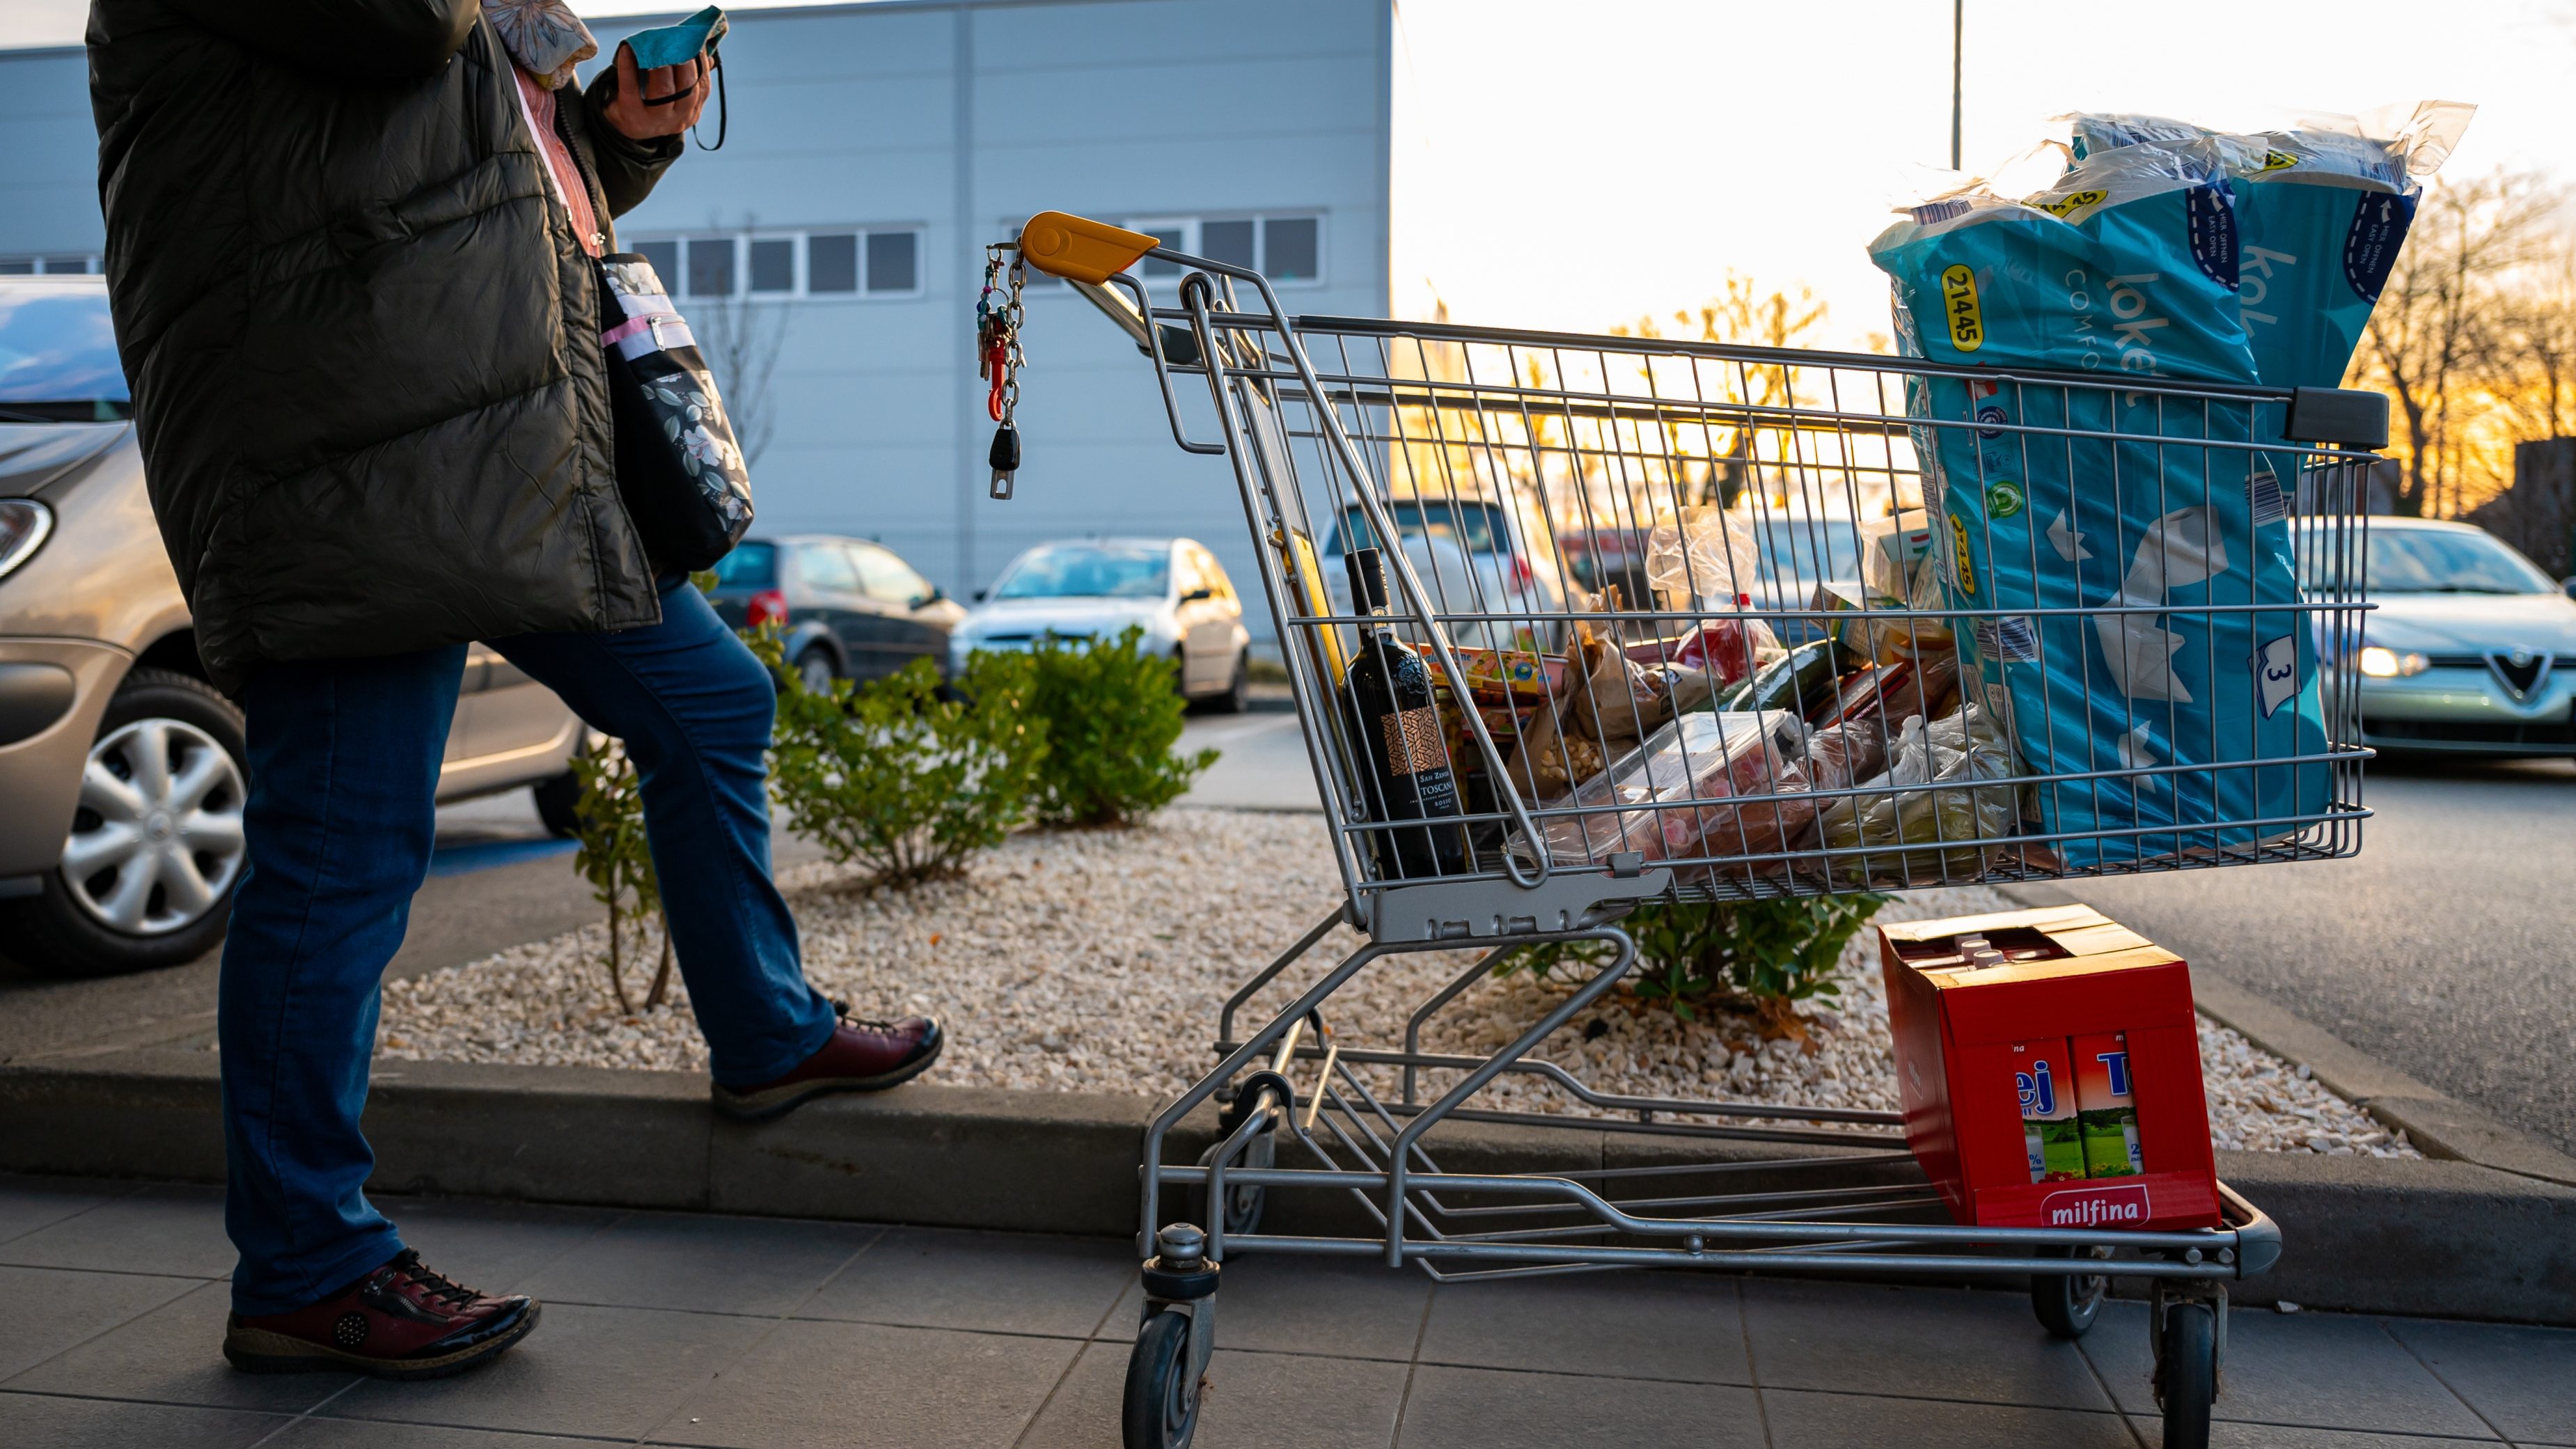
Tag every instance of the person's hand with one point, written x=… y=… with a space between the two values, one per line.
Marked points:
x=640 y=122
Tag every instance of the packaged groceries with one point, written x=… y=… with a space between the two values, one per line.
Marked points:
x=2106 y=1106
x=2322 y=208
x=1499 y=676
x=1891 y=559
x=1727 y=648
x=1876 y=627
x=2051 y=1001
x=1610 y=703
x=1838 y=755
x=1686 y=783
x=1888 y=693
x=2051 y=497
x=1923 y=799
x=1799 y=682
x=2052 y=1135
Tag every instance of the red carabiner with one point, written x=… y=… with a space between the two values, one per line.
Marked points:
x=997 y=366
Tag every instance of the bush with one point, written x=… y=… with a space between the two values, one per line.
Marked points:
x=903 y=775
x=1757 y=956
x=613 y=857
x=1112 y=714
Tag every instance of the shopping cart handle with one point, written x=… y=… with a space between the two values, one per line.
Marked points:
x=1079 y=249
x=2334 y=416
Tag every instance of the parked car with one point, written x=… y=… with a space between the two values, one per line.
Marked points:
x=1172 y=587
x=122 y=771
x=1474 y=557
x=852 y=609
x=2472 y=649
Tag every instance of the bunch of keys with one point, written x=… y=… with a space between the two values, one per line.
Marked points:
x=998 y=361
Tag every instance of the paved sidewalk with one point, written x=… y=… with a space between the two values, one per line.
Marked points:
x=687 y=1330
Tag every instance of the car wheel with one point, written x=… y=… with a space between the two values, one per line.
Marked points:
x=558 y=799
x=156 y=849
x=814 y=670
x=1238 y=695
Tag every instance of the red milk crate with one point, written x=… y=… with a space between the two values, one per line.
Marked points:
x=2069 y=972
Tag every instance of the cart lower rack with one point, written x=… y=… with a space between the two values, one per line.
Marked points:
x=1577 y=624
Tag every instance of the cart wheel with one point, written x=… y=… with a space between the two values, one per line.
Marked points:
x=2187 y=1374
x=1243 y=1201
x=1162 y=1410
x=2067 y=1303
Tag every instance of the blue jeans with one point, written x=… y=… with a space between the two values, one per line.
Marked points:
x=344 y=759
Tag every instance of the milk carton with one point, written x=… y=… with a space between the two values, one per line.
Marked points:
x=2043 y=1076
x=2104 y=1108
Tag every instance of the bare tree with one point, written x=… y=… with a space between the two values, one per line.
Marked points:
x=1744 y=314
x=741 y=339
x=2539 y=339
x=2440 y=342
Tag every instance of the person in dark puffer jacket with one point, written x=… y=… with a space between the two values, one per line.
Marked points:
x=352 y=261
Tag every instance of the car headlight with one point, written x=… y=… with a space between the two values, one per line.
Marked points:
x=24 y=525
x=2381 y=663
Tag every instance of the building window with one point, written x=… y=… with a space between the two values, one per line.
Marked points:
x=773 y=264
x=832 y=263
x=51 y=264
x=1288 y=247
x=711 y=266
x=894 y=261
x=851 y=262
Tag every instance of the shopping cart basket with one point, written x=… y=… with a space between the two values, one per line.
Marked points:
x=1586 y=539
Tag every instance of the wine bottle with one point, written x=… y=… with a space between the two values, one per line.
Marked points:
x=1386 y=698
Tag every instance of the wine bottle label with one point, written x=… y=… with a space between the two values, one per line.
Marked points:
x=1413 y=741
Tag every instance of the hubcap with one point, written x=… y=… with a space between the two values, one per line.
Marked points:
x=157 y=839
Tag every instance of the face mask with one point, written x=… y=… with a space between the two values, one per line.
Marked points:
x=543 y=36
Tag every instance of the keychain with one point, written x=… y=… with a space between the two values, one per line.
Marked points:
x=998 y=361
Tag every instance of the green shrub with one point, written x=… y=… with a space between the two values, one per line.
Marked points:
x=613 y=857
x=903 y=776
x=1761 y=956
x=1112 y=715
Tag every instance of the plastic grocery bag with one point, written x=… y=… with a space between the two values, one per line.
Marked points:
x=1681 y=786
x=2322 y=206
x=1611 y=702
x=1704 y=554
x=1944 y=811
x=2071 y=497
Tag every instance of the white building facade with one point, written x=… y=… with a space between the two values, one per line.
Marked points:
x=872 y=152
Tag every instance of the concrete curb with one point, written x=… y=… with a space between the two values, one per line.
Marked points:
x=2438 y=1124
x=2430 y=1237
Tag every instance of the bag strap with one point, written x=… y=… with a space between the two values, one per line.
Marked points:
x=724 y=111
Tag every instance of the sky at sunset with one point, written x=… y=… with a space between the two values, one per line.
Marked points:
x=1574 y=165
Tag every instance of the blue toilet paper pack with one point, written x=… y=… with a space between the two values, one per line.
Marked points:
x=2127 y=268
x=2323 y=207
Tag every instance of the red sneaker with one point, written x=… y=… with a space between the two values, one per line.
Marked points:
x=401 y=1321
x=862 y=1056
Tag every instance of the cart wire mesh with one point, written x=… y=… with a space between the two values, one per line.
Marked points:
x=1700 y=607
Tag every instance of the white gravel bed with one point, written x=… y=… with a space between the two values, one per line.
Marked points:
x=1098 y=961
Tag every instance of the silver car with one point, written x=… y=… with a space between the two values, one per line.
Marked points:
x=2472 y=649
x=122 y=772
x=1171 y=588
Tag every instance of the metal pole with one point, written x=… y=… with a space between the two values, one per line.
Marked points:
x=1958 y=30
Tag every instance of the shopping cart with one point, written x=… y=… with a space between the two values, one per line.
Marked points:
x=1466 y=457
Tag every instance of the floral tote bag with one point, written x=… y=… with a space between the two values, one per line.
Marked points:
x=678 y=465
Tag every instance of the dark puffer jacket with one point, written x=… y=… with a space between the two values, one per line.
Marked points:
x=359 y=331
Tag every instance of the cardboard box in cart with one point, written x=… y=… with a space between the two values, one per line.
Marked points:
x=2069 y=974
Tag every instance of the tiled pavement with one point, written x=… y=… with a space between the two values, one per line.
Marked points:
x=684 y=1330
